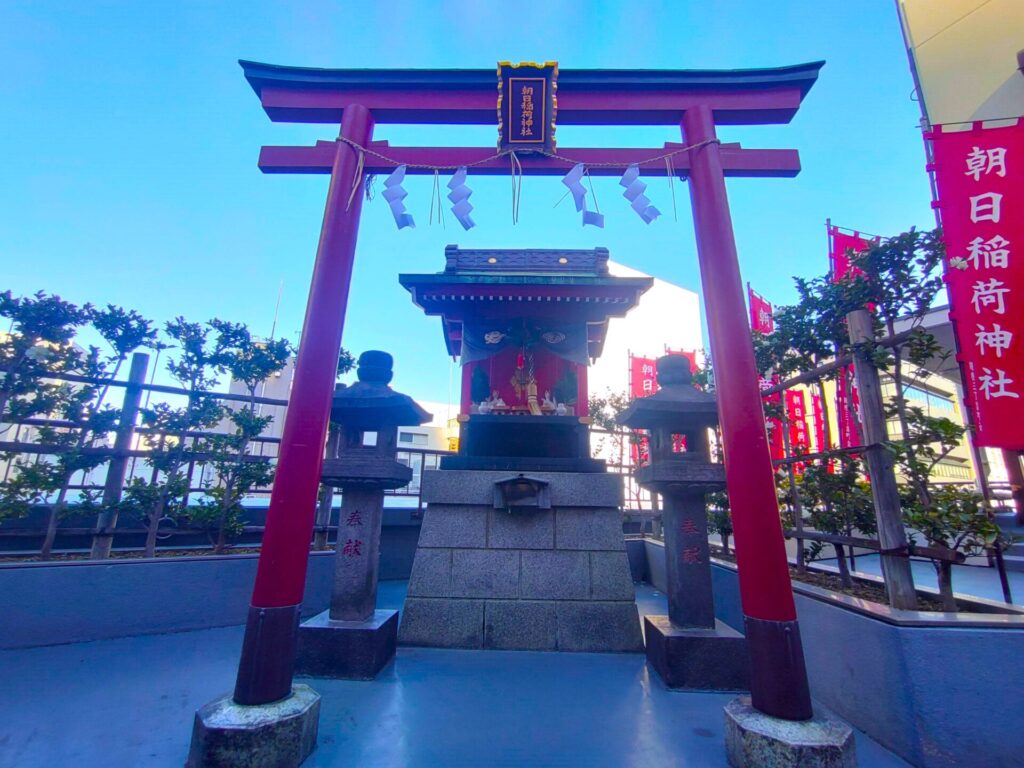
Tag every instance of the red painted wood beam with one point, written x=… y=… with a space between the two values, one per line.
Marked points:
x=736 y=162
x=473 y=106
x=268 y=650
x=778 y=682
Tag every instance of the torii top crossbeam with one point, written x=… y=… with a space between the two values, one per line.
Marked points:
x=585 y=97
x=697 y=101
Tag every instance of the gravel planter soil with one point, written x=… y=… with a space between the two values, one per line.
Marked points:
x=864 y=590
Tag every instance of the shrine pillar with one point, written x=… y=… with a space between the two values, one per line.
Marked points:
x=778 y=676
x=268 y=651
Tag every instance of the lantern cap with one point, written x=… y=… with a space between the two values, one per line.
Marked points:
x=677 y=405
x=370 y=403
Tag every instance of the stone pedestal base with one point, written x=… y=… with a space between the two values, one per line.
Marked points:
x=522 y=625
x=278 y=735
x=353 y=650
x=698 y=659
x=529 y=579
x=755 y=740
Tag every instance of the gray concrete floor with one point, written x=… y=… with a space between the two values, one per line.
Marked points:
x=130 y=702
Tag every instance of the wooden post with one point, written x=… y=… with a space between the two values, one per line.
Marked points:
x=798 y=507
x=657 y=518
x=103 y=538
x=323 y=517
x=323 y=510
x=1004 y=582
x=899 y=581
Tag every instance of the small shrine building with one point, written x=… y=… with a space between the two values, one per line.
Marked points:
x=525 y=324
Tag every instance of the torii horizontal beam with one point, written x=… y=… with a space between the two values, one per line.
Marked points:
x=736 y=162
x=585 y=96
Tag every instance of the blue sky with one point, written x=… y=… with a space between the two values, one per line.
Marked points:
x=129 y=141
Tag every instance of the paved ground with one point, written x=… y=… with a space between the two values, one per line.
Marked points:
x=130 y=702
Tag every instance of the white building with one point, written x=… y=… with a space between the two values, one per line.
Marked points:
x=666 y=317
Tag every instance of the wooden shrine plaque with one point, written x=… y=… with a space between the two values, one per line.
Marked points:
x=527 y=106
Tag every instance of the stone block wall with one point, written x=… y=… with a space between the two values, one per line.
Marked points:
x=531 y=579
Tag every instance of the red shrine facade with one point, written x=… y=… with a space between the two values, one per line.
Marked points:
x=525 y=325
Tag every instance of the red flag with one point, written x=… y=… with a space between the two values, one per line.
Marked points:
x=761 y=319
x=643 y=379
x=640 y=448
x=839 y=259
x=796 y=413
x=849 y=432
x=980 y=178
x=774 y=426
x=819 y=423
x=643 y=382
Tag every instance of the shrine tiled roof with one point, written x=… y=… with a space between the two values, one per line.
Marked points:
x=525 y=274
x=573 y=285
x=558 y=261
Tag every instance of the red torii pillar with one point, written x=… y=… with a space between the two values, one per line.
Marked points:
x=779 y=682
x=268 y=652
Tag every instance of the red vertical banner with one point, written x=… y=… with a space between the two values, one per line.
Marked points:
x=643 y=382
x=640 y=448
x=847 y=413
x=761 y=319
x=980 y=178
x=796 y=414
x=774 y=426
x=819 y=423
x=643 y=379
x=841 y=244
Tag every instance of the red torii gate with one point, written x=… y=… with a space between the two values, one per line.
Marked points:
x=698 y=100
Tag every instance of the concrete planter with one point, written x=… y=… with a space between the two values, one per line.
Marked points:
x=78 y=601
x=937 y=689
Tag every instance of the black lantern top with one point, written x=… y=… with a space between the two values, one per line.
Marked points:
x=370 y=404
x=676 y=410
x=677 y=407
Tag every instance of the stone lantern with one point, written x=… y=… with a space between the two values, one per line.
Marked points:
x=353 y=639
x=689 y=648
